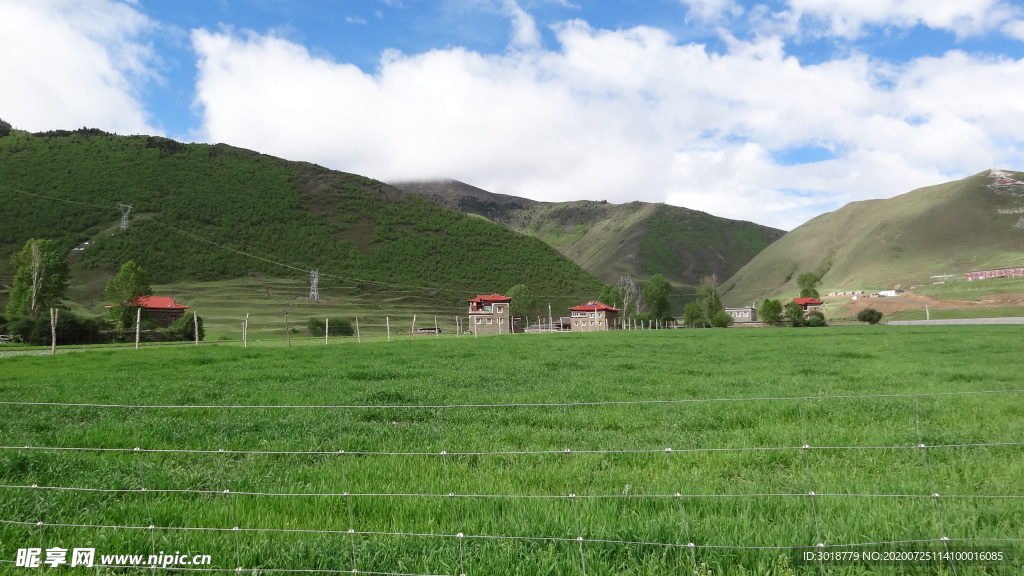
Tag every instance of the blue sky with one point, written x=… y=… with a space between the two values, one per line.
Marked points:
x=771 y=111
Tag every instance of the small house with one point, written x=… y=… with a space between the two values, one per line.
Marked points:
x=808 y=304
x=161 y=309
x=489 y=314
x=742 y=315
x=593 y=317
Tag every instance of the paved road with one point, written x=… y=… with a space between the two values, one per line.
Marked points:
x=1016 y=320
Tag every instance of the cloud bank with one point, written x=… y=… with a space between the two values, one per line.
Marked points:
x=72 y=63
x=624 y=115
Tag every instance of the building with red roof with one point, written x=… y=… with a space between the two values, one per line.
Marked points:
x=163 y=309
x=489 y=314
x=593 y=317
x=808 y=304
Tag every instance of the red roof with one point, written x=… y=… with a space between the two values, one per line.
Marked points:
x=807 y=301
x=490 y=298
x=159 y=302
x=593 y=305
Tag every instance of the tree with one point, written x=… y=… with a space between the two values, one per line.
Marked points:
x=656 y=291
x=334 y=327
x=794 y=314
x=771 y=312
x=816 y=319
x=707 y=309
x=41 y=275
x=611 y=295
x=869 y=315
x=5 y=128
x=721 y=319
x=808 y=283
x=123 y=292
x=632 y=300
x=693 y=315
x=184 y=329
x=524 y=304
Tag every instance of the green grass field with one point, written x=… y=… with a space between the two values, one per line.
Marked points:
x=447 y=436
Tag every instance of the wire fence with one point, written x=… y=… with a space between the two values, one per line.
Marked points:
x=582 y=536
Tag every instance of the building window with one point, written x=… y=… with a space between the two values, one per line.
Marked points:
x=488 y=320
x=477 y=320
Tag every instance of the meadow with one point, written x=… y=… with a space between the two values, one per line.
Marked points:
x=606 y=453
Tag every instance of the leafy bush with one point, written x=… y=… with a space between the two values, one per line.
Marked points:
x=71 y=329
x=338 y=327
x=869 y=315
x=794 y=314
x=721 y=319
x=816 y=319
x=184 y=329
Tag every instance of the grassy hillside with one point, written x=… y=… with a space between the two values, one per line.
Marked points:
x=951 y=228
x=213 y=212
x=609 y=239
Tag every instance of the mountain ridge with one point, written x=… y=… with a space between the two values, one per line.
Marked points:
x=608 y=240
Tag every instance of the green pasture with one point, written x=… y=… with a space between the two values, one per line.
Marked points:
x=225 y=304
x=489 y=436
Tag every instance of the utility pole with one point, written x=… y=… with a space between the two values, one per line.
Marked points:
x=125 y=210
x=314 y=284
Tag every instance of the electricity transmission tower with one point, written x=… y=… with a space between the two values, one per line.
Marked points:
x=125 y=210
x=314 y=284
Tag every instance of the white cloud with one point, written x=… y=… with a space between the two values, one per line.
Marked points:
x=848 y=18
x=1014 y=29
x=74 y=62
x=624 y=115
x=712 y=10
x=355 y=20
x=524 y=29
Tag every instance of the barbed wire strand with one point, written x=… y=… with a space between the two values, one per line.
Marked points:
x=502 y=536
x=500 y=452
x=497 y=496
x=260 y=570
x=507 y=405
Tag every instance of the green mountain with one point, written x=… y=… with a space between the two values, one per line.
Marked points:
x=971 y=224
x=608 y=240
x=211 y=212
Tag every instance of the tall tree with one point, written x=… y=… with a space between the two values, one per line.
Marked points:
x=524 y=303
x=808 y=283
x=123 y=292
x=707 y=309
x=771 y=311
x=611 y=295
x=656 y=291
x=41 y=275
x=632 y=299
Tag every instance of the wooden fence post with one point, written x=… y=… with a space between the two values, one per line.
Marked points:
x=53 y=330
x=327 y=328
x=358 y=337
x=195 y=326
x=387 y=322
x=286 y=331
x=138 y=320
